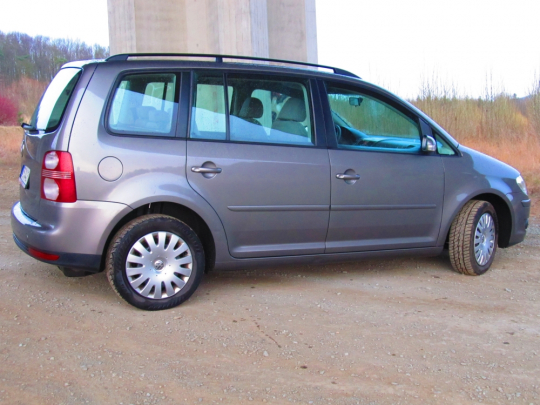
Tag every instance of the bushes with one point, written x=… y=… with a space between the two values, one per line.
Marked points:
x=8 y=112
x=25 y=93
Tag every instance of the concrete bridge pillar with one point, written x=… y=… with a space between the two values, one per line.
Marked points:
x=281 y=29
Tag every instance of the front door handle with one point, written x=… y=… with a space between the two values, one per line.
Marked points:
x=343 y=176
x=197 y=169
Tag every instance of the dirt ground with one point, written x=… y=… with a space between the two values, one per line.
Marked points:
x=400 y=331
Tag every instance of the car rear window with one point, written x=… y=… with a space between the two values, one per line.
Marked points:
x=51 y=107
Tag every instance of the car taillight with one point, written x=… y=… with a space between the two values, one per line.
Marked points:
x=58 y=178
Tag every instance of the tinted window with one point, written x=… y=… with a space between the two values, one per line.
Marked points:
x=50 y=109
x=144 y=104
x=260 y=109
x=362 y=121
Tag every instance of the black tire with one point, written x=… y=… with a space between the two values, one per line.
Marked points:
x=463 y=245
x=173 y=256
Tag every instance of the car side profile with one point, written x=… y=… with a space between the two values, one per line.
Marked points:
x=156 y=168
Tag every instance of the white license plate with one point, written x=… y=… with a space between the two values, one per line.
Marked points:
x=25 y=176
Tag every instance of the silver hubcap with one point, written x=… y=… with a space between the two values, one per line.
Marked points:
x=484 y=239
x=159 y=265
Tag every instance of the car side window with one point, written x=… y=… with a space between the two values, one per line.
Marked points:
x=443 y=148
x=362 y=121
x=270 y=110
x=144 y=104
x=260 y=109
x=208 y=116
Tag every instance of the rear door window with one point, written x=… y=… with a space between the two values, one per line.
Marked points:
x=259 y=109
x=144 y=104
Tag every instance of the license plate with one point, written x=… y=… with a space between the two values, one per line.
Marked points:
x=25 y=176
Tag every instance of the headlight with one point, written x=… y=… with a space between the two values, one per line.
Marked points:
x=521 y=183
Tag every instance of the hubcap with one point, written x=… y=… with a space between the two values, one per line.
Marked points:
x=484 y=239
x=159 y=265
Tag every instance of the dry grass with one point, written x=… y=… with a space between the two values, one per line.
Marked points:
x=10 y=145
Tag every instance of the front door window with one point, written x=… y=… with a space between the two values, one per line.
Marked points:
x=362 y=121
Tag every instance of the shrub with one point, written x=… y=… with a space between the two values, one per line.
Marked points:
x=8 y=112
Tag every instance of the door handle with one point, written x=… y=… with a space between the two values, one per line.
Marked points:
x=196 y=169
x=343 y=176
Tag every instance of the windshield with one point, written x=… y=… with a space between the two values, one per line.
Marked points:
x=54 y=101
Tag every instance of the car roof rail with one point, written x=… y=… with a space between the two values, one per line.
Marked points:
x=219 y=59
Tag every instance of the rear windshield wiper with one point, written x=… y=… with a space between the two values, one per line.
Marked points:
x=28 y=127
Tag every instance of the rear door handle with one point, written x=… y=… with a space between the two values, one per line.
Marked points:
x=343 y=176
x=198 y=169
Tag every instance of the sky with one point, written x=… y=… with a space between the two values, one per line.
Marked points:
x=464 y=45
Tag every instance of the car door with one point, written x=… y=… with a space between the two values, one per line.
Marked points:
x=386 y=193
x=253 y=154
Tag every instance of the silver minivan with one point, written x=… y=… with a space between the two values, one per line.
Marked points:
x=157 y=168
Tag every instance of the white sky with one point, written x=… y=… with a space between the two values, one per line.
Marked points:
x=394 y=43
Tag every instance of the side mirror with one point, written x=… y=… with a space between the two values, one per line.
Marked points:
x=429 y=144
x=355 y=101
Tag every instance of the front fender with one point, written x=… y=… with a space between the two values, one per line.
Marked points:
x=475 y=175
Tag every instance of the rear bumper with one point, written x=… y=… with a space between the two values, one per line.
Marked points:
x=77 y=262
x=67 y=235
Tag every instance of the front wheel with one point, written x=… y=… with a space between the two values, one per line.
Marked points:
x=155 y=262
x=473 y=238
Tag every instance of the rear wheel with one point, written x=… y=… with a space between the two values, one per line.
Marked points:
x=155 y=262
x=473 y=238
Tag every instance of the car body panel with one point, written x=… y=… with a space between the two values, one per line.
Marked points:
x=473 y=174
x=272 y=200
x=79 y=228
x=36 y=143
x=396 y=203
x=143 y=180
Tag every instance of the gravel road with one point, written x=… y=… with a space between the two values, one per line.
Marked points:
x=399 y=331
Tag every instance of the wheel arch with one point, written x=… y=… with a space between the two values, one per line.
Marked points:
x=504 y=216
x=178 y=211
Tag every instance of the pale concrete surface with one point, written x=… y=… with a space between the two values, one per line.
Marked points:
x=281 y=29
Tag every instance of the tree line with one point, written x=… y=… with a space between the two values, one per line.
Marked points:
x=40 y=57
